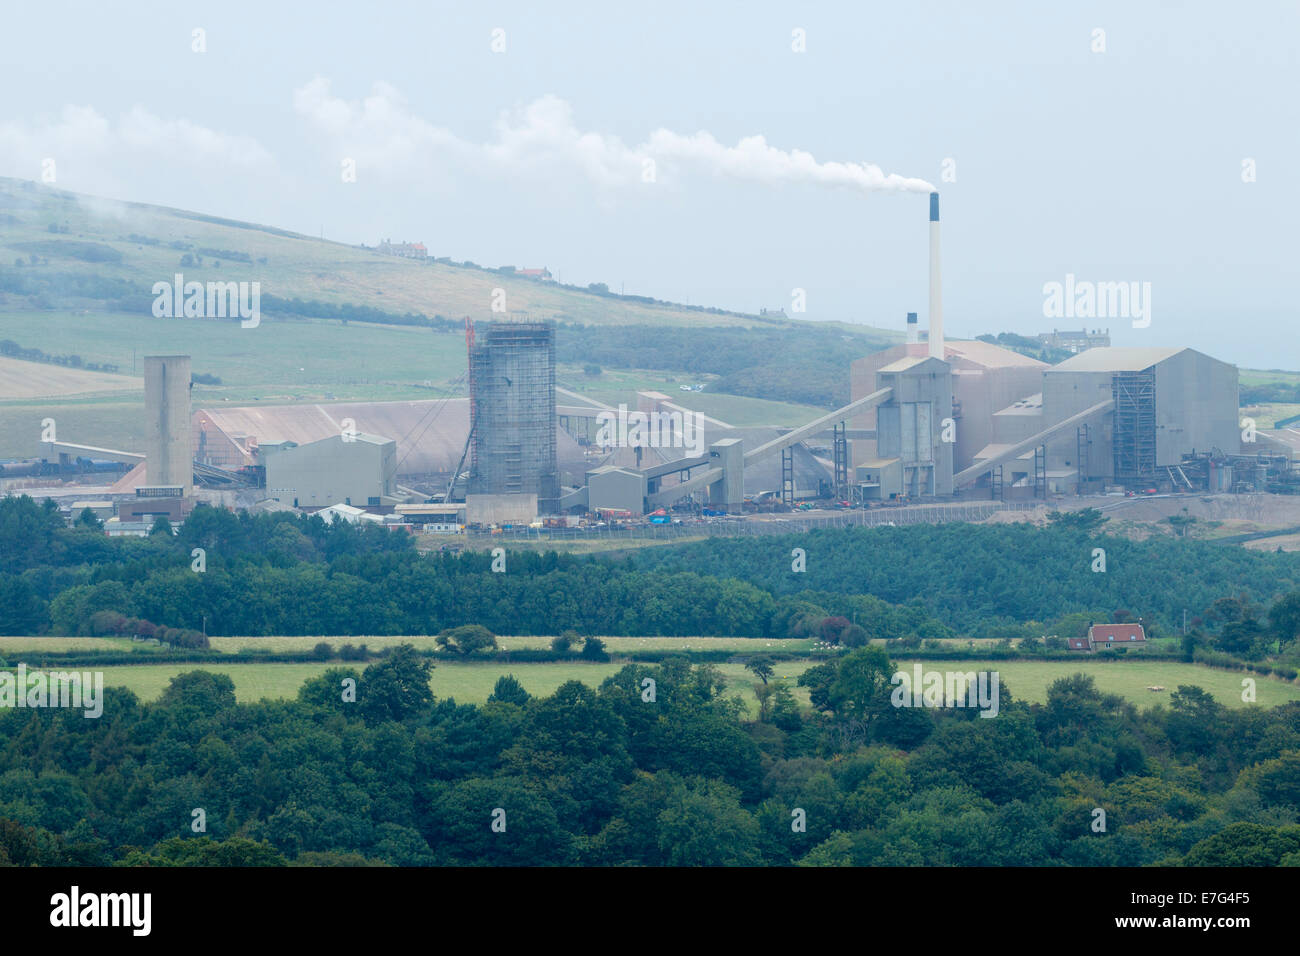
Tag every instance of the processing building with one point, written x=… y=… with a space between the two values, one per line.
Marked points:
x=512 y=412
x=944 y=418
x=355 y=469
x=984 y=378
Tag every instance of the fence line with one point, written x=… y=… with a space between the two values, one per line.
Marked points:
x=727 y=528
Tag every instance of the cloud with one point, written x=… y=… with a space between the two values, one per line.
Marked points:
x=92 y=153
x=543 y=135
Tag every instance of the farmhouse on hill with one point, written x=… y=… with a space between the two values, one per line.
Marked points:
x=1103 y=637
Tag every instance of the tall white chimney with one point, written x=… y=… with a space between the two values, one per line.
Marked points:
x=913 y=330
x=936 y=296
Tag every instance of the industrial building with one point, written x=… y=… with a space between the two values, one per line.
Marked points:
x=512 y=412
x=355 y=469
x=1136 y=417
x=985 y=379
x=169 y=457
x=1161 y=409
x=926 y=419
x=937 y=419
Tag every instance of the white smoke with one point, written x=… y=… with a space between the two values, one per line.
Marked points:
x=754 y=160
x=543 y=135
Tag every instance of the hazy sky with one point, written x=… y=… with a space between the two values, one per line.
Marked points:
x=1122 y=165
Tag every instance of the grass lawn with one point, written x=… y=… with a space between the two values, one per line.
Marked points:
x=472 y=682
x=614 y=644
x=59 y=644
x=1028 y=680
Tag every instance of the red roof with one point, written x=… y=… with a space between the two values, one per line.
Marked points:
x=1117 y=633
x=1077 y=643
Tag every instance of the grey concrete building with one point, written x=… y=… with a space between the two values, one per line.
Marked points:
x=355 y=469
x=169 y=456
x=1165 y=403
x=623 y=489
x=1168 y=403
x=910 y=424
x=985 y=378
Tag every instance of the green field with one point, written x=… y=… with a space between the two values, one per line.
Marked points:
x=96 y=243
x=230 y=645
x=1267 y=414
x=1255 y=376
x=295 y=265
x=473 y=682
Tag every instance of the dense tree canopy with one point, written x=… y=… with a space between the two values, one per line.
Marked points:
x=606 y=777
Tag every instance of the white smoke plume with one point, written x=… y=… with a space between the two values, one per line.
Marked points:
x=754 y=160
x=382 y=129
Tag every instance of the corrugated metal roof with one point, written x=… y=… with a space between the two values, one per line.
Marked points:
x=903 y=364
x=989 y=355
x=1114 y=360
x=429 y=439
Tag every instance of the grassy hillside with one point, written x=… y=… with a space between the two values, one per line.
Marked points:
x=342 y=323
x=142 y=244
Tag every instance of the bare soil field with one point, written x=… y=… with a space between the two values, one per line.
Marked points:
x=19 y=379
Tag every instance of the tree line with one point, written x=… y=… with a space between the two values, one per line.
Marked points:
x=657 y=766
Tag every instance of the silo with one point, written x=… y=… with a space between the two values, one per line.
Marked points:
x=169 y=455
x=512 y=412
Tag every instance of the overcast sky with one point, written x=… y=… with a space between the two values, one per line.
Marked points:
x=1121 y=165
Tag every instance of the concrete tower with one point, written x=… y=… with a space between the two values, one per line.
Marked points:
x=169 y=455
x=936 y=283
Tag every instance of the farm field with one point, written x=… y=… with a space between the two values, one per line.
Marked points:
x=20 y=379
x=231 y=645
x=287 y=355
x=473 y=682
x=745 y=645
x=279 y=362
x=1255 y=376
x=1266 y=416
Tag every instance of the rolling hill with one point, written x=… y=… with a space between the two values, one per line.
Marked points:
x=344 y=323
x=94 y=251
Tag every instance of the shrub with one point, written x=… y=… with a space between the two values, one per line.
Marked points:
x=564 y=643
x=107 y=622
x=467 y=639
x=833 y=629
x=509 y=691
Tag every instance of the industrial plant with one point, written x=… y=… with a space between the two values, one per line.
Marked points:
x=928 y=420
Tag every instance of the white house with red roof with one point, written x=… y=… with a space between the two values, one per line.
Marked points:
x=1103 y=637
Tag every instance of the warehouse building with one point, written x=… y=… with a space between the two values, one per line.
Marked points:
x=355 y=469
x=985 y=378
x=1106 y=417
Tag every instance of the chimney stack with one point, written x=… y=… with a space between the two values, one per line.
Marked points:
x=936 y=296
x=913 y=331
